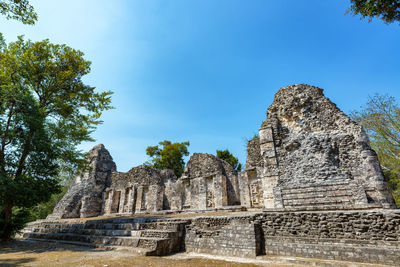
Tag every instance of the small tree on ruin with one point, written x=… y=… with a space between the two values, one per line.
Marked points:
x=231 y=159
x=168 y=156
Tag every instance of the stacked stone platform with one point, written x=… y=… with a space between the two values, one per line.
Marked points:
x=331 y=195
x=364 y=236
x=151 y=238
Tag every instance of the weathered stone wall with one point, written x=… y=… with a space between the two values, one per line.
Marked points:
x=307 y=140
x=233 y=236
x=141 y=189
x=203 y=166
x=84 y=196
x=254 y=158
x=350 y=225
x=360 y=236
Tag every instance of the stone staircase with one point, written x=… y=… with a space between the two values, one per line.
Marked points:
x=143 y=236
x=333 y=195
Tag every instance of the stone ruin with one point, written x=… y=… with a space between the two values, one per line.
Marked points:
x=84 y=197
x=312 y=187
x=309 y=155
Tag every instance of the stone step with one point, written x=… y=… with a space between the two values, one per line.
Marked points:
x=155 y=233
x=134 y=250
x=315 y=188
x=317 y=195
x=175 y=226
x=102 y=232
x=319 y=202
x=94 y=232
x=143 y=242
x=105 y=226
x=166 y=225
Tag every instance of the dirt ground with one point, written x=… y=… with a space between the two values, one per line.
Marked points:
x=46 y=254
x=23 y=253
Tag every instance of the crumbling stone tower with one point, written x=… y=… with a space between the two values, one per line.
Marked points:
x=311 y=155
x=85 y=195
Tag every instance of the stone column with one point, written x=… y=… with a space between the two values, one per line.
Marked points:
x=270 y=174
x=108 y=204
x=155 y=198
x=220 y=192
x=139 y=198
x=121 y=201
x=244 y=189
x=132 y=200
x=198 y=194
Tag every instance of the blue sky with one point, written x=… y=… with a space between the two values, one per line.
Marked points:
x=206 y=71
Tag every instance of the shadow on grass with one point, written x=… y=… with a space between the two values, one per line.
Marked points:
x=28 y=246
x=15 y=262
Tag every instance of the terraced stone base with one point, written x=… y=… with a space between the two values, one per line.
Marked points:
x=154 y=238
x=365 y=236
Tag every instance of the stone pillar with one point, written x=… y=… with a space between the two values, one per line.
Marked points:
x=198 y=194
x=103 y=206
x=139 y=199
x=121 y=201
x=270 y=174
x=108 y=204
x=132 y=200
x=244 y=189
x=220 y=191
x=155 y=198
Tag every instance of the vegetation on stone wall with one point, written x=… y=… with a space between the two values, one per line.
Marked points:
x=45 y=112
x=381 y=120
x=386 y=10
x=168 y=156
x=231 y=159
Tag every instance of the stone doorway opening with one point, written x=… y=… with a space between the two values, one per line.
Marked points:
x=115 y=202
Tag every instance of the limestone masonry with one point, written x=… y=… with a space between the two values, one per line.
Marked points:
x=312 y=187
x=308 y=155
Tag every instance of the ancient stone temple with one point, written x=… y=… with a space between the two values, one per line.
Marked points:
x=312 y=187
x=309 y=155
x=85 y=195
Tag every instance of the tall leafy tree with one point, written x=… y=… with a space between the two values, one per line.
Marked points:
x=231 y=159
x=45 y=112
x=168 y=156
x=387 y=10
x=381 y=120
x=18 y=9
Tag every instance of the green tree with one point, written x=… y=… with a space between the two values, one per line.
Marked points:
x=228 y=157
x=381 y=120
x=41 y=210
x=18 y=9
x=168 y=156
x=387 y=10
x=45 y=112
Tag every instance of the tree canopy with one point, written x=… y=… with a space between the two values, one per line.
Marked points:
x=18 y=9
x=387 y=10
x=381 y=120
x=228 y=157
x=168 y=156
x=45 y=112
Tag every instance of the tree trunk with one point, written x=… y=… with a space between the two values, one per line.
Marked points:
x=7 y=215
